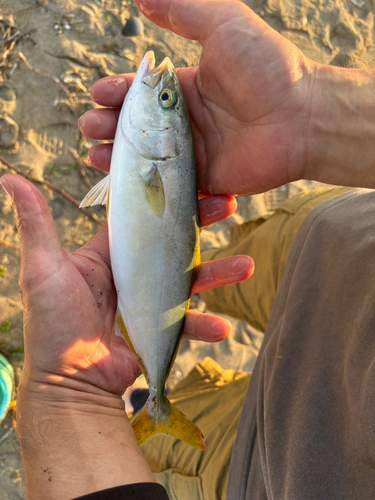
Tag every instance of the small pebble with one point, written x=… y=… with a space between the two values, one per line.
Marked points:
x=133 y=27
x=9 y=132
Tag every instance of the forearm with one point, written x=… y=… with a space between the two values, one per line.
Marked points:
x=72 y=449
x=341 y=136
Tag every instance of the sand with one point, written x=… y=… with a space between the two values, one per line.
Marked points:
x=63 y=47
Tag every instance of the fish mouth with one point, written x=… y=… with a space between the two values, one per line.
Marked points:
x=150 y=75
x=165 y=65
x=147 y=64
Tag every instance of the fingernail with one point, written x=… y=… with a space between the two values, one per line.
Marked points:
x=81 y=122
x=91 y=92
x=238 y=266
x=100 y=155
x=6 y=187
x=221 y=332
x=214 y=207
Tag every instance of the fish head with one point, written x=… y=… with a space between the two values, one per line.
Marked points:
x=155 y=118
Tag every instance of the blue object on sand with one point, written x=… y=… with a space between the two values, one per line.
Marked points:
x=138 y=399
x=6 y=386
x=133 y=27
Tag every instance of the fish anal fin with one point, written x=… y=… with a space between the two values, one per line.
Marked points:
x=168 y=420
x=154 y=189
x=120 y=328
x=98 y=195
x=122 y=331
x=197 y=256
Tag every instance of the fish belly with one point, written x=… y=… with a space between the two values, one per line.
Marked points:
x=152 y=256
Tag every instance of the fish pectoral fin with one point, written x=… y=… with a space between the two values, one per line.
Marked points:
x=170 y=421
x=154 y=189
x=98 y=195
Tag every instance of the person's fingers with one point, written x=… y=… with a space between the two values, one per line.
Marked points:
x=206 y=327
x=99 y=124
x=111 y=90
x=41 y=251
x=105 y=93
x=223 y=272
x=100 y=156
x=216 y=208
x=212 y=209
x=193 y=19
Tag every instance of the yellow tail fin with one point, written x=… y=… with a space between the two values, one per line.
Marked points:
x=166 y=420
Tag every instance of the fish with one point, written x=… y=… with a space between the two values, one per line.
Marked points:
x=154 y=235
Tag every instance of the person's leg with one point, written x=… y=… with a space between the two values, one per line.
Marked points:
x=268 y=241
x=212 y=398
x=307 y=426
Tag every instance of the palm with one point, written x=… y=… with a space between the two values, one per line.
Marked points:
x=70 y=301
x=77 y=301
x=248 y=100
x=250 y=89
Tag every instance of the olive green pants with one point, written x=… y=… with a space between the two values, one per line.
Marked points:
x=211 y=396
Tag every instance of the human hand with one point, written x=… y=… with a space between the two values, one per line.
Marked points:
x=247 y=99
x=69 y=407
x=70 y=304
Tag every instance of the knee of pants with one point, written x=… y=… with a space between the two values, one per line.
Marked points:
x=268 y=240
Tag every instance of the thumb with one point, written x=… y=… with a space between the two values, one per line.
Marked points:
x=41 y=251
x=193 y=19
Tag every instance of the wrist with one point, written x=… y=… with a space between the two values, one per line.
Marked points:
x=299 y=157
x=71 y=447
x=340 y=141
x=38 y=385
x=62 y=394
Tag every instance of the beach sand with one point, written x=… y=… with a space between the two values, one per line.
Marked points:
x=53 y=52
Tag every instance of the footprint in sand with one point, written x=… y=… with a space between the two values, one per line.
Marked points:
x=9 y=132
x=9 y=129
x=7 y=98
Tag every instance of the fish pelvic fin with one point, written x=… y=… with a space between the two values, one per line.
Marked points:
x=166 y=419
x=98 y=195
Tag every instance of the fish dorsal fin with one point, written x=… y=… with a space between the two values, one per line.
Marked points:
x=98 y=195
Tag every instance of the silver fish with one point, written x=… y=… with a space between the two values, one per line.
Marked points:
x=153 y=220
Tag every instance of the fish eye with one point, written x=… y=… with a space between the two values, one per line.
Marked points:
x=167 y=98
